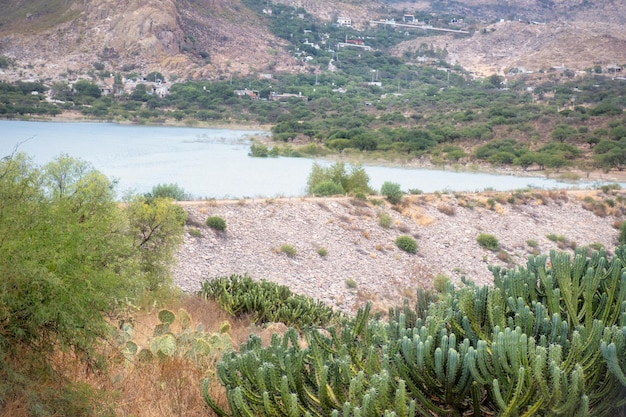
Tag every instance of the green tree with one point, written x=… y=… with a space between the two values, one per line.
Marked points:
x=86 y=88
x=61 y=91
x=392 y=192
x=173 y=191
x=69 y=255
x=561 y=133
x=156 y=226
x=354 y=181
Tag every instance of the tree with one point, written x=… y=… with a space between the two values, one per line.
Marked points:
x=392 y=192
x=156 y=226
x=356 y=181
x=86 y=88
x=139 y=93
x=69 y=255
x=561 y=133
x=155 y=76
x=61 y=91
x=173 y=191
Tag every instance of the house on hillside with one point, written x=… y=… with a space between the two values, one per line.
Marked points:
x=283 y=97
x=159 y=89
x=409 y=18
x=253 y=94
x=344 y=22
x=107 y=87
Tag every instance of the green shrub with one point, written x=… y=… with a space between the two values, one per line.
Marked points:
x=288 y=249
x=173 y=191
x=488 y=241
x=610 y=187
x=555 y=238
x=440 y=282
x=326 y=188
x=354 y=180
x=322 y=252
x=216 y=223
x=384 y=220
x=351 y=284
x=392 y=192
x=597 y=246
x=259 y=150
x=532 y=243
x=406 y=243
x=195 y=232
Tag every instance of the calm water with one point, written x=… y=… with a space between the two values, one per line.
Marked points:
x=213 y=163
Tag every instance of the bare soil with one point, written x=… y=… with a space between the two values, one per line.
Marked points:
x=362 y=262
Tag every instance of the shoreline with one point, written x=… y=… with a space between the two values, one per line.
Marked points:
x=571 y=175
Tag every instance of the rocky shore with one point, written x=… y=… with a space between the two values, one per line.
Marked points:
x=345 y=257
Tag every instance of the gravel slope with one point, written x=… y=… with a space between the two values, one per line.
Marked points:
x=362 y=253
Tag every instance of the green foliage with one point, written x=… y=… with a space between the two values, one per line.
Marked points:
x=71 y=255
x=555 y=238
x=322 y=252
x=155 y=76
x=488 y=241
x=350 y=283
x=392 y=192
x=532 y=243
x=384 y=220
x=406 y=243
x=336 y=179
x=288 y=249
x=266 y=302
x=157 y=227
x=216 y=223
x=543 y=340
x=260 y=150
x=174 y=337
x=326 y=188
x=5 y=62
x=86 y=88
x=173 y=191
x=440 y=282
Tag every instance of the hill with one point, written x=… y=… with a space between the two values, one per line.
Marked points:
x=212 y=39
x=361 y=262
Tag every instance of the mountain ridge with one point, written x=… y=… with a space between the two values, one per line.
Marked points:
x=216 y=39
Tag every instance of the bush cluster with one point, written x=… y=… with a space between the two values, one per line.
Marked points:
x=488 y=241
x=266 y=302
x=392 y=192
x=406 y=243
x=337 y=179
x=216 y=223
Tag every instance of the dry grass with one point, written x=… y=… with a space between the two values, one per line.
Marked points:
x=446 y=209
x=163 y=388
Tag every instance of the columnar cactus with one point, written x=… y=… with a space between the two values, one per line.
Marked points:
x=548 y=339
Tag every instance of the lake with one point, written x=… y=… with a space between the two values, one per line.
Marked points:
x=214 y=163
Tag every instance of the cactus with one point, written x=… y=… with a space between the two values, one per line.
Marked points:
x=547 y=339
x=266 y=302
